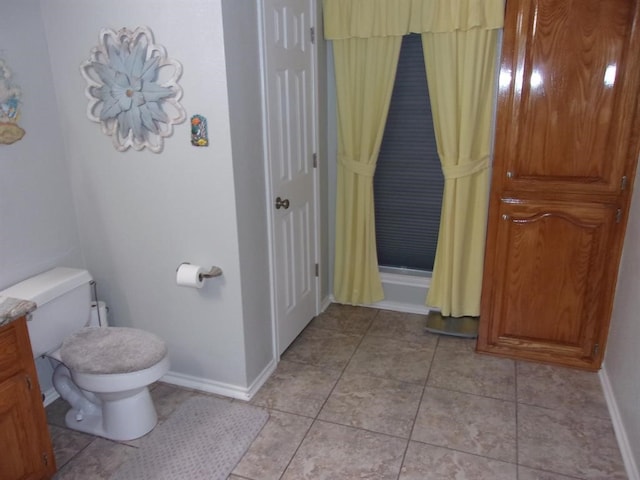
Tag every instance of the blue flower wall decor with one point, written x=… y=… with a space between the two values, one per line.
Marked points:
x=132 y=89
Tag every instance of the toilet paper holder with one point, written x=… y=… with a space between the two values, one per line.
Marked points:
x=213 y=272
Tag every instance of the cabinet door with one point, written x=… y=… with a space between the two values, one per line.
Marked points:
x=566 y=150
x=546 y=287
x=20 y=458
x=25 y=445
x=568 y=89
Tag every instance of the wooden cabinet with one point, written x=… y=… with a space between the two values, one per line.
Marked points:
x=25 y=445
x=566 y=150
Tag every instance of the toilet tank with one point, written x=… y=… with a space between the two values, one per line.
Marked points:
x=63 y=298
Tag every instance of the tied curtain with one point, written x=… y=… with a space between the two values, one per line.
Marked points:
x=460 y=74
x=367 y=70
x=460 y=42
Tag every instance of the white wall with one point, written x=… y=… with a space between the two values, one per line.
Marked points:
x=38 y=227
x=324 y=160
x=332 y=160
x=623 y=355
x=241 y=39
x=37 y=221
x=141 y=214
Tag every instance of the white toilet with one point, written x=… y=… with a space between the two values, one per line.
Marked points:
x=105 y=371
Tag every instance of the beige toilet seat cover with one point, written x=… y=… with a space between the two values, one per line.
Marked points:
x=110 y=350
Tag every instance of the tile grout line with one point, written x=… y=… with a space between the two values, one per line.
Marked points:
x=286 y=467
x=415 y=417
x=477 y=455
x=345 y=367
x=363 y=335
x=315 y=418
x=439 y=346
x=59 y=468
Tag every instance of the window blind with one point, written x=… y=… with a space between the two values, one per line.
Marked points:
x=408 y=182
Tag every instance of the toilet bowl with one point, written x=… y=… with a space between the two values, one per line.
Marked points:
x=116 y=365
x=102 y=372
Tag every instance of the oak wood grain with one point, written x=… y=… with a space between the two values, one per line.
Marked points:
x=566 y=152
x=27 y=453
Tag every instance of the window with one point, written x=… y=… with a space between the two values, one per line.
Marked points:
x=408 y=182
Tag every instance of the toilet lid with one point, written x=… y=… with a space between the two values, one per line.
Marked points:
x=109 y=350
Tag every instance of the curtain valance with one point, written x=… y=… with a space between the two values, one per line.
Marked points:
x=384 y=18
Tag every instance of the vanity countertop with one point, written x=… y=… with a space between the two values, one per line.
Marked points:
x=13 y=308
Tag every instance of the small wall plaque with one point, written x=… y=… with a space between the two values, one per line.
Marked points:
x=199 y=134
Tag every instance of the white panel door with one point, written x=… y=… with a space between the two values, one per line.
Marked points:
x=291 y=113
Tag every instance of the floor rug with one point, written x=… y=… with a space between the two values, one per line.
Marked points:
x=203 y=439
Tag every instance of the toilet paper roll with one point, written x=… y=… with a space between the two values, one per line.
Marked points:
x=190 y=275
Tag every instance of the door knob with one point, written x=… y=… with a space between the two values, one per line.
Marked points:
x=280 y=203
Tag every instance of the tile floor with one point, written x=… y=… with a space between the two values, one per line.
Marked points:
x=366 y=394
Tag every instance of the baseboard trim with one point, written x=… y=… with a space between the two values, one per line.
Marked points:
x=50 y=396
x=618 y=426
x=202 y=384
x=401 y=307
x=395 y=306
x=220 y=388
x=326 y=301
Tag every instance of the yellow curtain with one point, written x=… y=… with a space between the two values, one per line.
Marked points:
x=460 y=57
x=365 y=71
x=384 y=18
x=461 y=76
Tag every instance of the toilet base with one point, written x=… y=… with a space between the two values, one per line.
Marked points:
x=119 y=419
